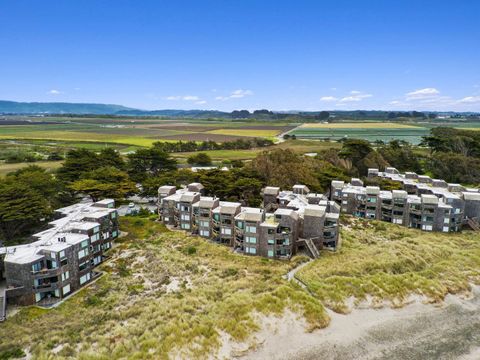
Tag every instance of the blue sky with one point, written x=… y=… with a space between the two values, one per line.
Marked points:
x=243 y=54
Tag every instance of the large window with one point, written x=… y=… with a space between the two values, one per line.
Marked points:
x=205 y=233
x=85 y=278
x=185 y=226
x=251 y=239
x=226 y=231
x=250 y=250
x=270 y=253
x=251 y=229
x=66 y=289
x=82 y=253
x=65 y=275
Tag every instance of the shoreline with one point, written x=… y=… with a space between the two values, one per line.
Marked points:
x=417 y=330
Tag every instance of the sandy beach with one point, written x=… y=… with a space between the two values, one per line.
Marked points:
x=450 y=330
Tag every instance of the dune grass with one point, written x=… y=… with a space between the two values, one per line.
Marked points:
x=390 y=262
x=163 y=294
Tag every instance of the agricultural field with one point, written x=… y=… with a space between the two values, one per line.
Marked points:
x=141 y=132
x=372 y=131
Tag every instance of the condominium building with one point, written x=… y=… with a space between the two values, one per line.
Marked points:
x=62 y=258
x=424 y=203
x=288 y=221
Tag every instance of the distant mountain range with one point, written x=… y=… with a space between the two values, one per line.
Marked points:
x=60 y=108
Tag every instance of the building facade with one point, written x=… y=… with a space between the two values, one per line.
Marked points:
x=62 y=258
x=288 y=221
x=424 y=203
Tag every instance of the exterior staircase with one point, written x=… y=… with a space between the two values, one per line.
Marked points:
x=473 y=223
x=3 y=305
x=312 y=248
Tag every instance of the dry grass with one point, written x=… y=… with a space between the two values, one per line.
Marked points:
x=128 y=313
x=390 y=262
x=48 y=165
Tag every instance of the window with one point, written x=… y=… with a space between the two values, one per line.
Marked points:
x=226 y=231
x=216 y=217
x=84 y=244
x=204 y=223
x=427 y=227
x=446 y=220
x=251 y=229
x=114 y=215
x=250 y=250
x=114 y=233
x=270 y=253
x=251 y=239
x=62 y=254
x=271 y=242
x=445 y=229
x=96 y=229
x=66 y=289
x=37 y=267
x=344 y=202
x=97 y=260
x=82 y=253
x=271 y=231
x=65 y=275
x=84 y=278
x=240 y=224
x=106 y=246
x=82 y=266
x=185 y=217
x=204 y=233
x=38 y=297
x=94 y=238
x=185 y=226
x=167 y=219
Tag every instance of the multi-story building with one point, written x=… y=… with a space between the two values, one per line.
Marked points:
x=62 y=258
x=424 y=203
x=288 y=221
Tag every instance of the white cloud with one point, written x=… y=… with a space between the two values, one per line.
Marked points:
x=190 y=98
x=54 y=92
x=355 y=96
x=470 y=100
x=422 y=94
x=328 y=98
x=200 y=102
x=184 y=98
x=236 y=94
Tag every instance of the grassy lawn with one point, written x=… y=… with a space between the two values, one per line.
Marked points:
x=49 y=165
x=387 y=261
x=162 y=293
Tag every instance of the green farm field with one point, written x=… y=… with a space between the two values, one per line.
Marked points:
x=372 y=131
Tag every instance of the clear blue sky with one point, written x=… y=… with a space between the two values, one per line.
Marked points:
x=243 y=54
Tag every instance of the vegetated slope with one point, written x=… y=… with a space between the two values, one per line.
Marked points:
x=163 y=293
x=387 y=261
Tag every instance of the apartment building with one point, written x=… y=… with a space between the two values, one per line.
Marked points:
x=288 y=221
x=424 y=203
x=62 y=258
